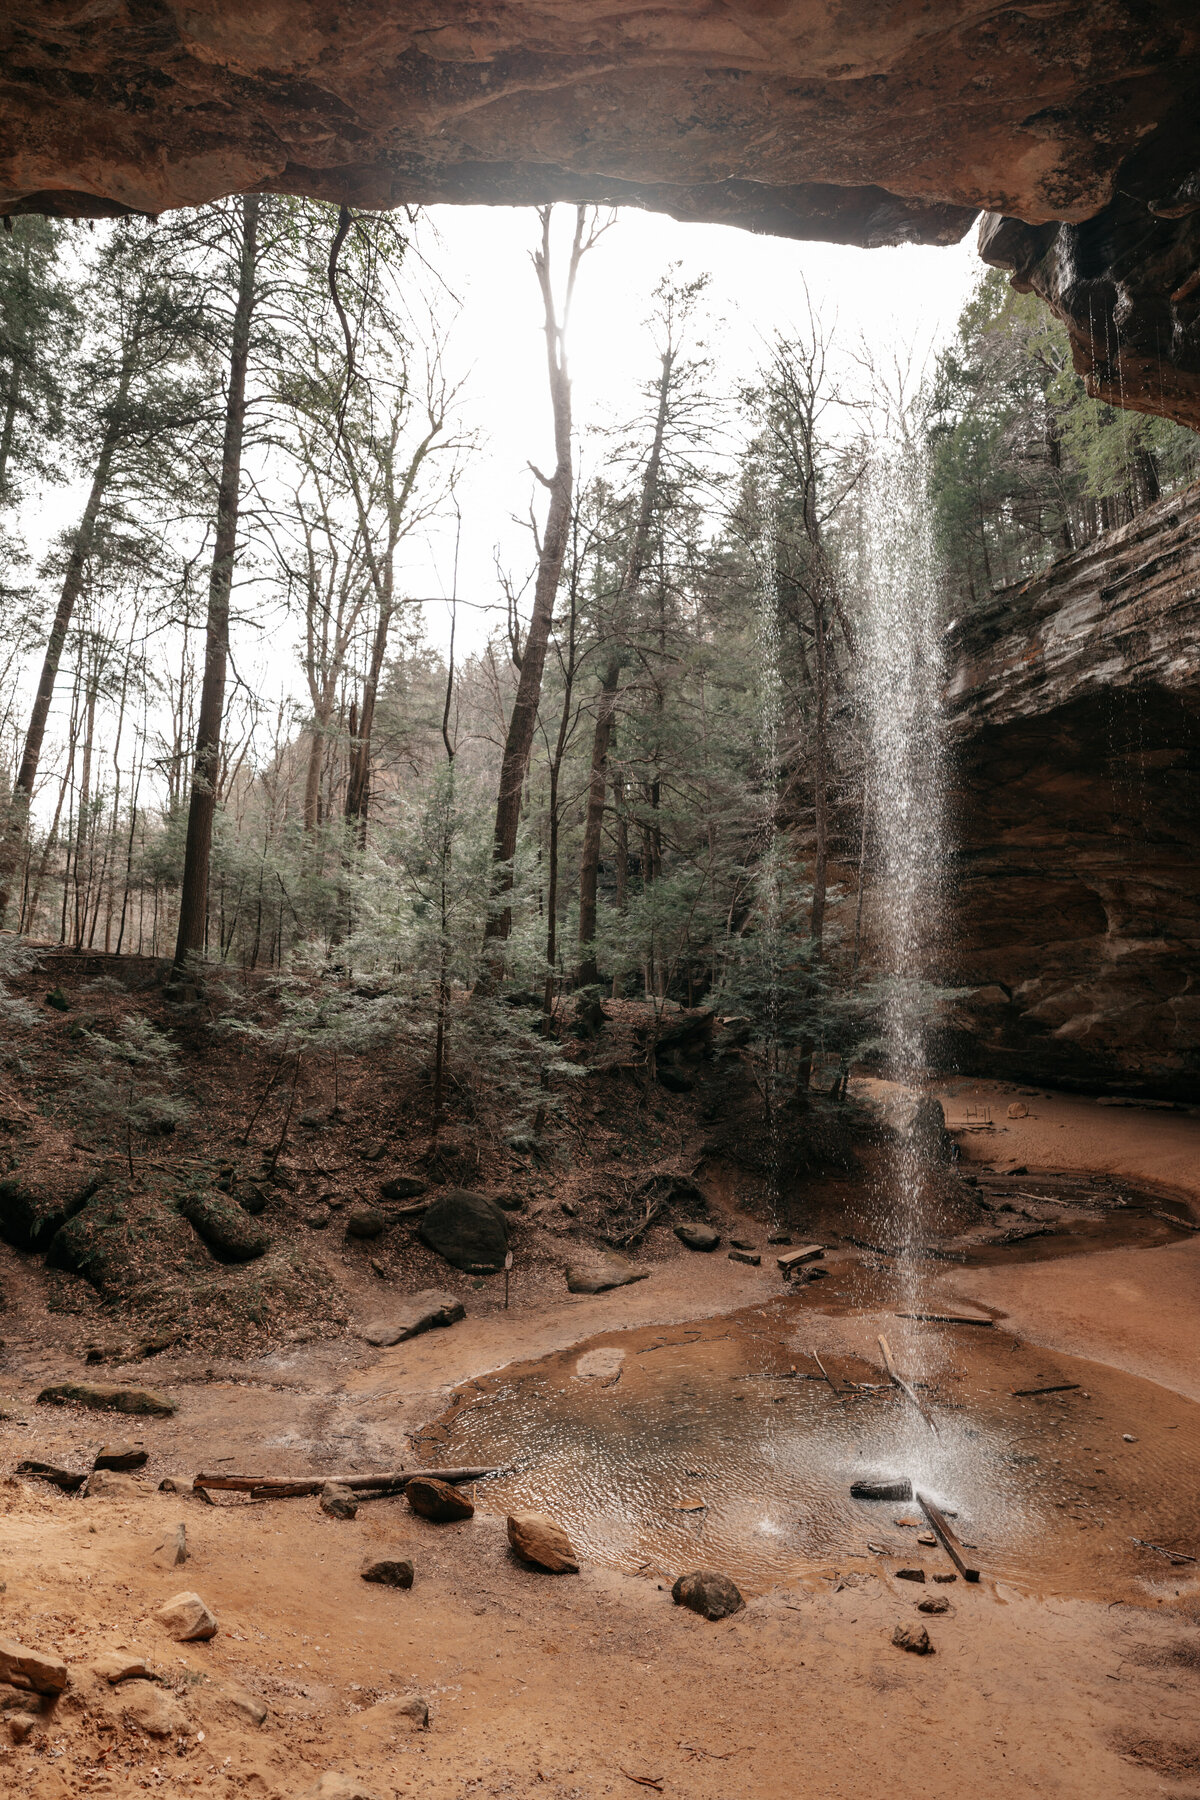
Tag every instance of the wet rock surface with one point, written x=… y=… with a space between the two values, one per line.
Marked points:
x=1075 y=709
x=417 y=1313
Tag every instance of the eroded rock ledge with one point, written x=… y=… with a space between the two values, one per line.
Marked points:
x=1076 y=709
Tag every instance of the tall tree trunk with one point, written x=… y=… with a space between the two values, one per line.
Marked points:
x=589 y=860
x=820 y=787
x=518 y=743
x=69 y=593
x=631 y=576
x=193 y=893
x=358 y=787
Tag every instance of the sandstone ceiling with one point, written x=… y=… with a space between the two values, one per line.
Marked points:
x=1070 y=122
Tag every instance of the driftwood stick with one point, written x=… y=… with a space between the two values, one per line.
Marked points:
x=290 y=1487
x=953 y=1546
x=904 y=1387
x=1063 y=1387
x=828 y=1377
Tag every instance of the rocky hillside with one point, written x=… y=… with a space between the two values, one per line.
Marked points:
x=1076 y=711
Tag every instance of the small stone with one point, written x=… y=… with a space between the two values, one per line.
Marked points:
x=411 y=1709
x=338 y=1501
x=317 y=1218
x=1129 y=1438
x=154 y=1709
x=387 y=1571
x=419 y=1312
x=247 y=1706
x=934 y=1603
x=58 y=1000
x=539 y=1540
x=746 y=1256
x=778 y=1237
x=365 y=1222
x=106 y=1484
x=186 y=1618
x=914 y=1638
x=437 y=1501
x=945 y=1578
x=20 y=1724
x=508 y=1202
x=910 y=1574
x=101 y=1398
x=928 y=1538
x=334 y=1786
x=372 y=1150
x=68 y=1480
x=175 y=1484
x=899 y=1488
x=1018 y=1110
x=742 y=1243
x=601 y=1270
x=122 y=1457
x=25 y=1668
x=121 y=1665
x=312 y=1120
x=403 y=1187
x=698 y=1237
x=706 y=1592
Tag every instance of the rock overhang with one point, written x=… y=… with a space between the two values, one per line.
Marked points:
x=853 y=121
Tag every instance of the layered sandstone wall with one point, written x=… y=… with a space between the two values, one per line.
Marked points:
x=1075 y=707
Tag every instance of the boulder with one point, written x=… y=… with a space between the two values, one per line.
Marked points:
x=708 y=1593
x=419 y=1312
x=338 y=1501
x=154 y=1709
x=121 y=1665
x=109 y=1484
x=698 y=1237
x=437 y=1500
x=246 y=1707
x=914 y=1638
x=403 y=1187
x=388 y=1571
x=365 y=1222
x=100 y=1397
x=186 y=1618
x=537 y=1539
x=35 y=1204
x=598 y=1271
x=31 y=1669
x=120 y=1456
x=927 y=1130
x=225 y=1227
x=468 y=1230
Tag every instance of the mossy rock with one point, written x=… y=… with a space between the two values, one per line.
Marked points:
x=225 y=1227
x=34 y=1205
x=124 y=1241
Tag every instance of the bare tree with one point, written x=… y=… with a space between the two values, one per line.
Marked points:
x=530 y=658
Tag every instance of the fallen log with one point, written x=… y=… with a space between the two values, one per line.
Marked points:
x=292 y=1487
x=904 y=1387
x=1062 y=1387
x=953 y=1546
x=947 y=1318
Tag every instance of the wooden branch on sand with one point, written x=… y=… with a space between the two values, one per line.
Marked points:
x=905 y=1389
x=291 y=1487
x=953 y=1546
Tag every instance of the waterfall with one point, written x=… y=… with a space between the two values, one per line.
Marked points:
x=900 y=678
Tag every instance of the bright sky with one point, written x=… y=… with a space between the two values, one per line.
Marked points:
x=901 y=297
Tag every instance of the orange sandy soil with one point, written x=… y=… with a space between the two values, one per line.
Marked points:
x=1136 y=1309
x=587 y=1685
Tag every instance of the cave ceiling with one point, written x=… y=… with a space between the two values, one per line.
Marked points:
x=1071 y=125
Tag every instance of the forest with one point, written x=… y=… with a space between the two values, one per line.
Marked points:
x=646 y=783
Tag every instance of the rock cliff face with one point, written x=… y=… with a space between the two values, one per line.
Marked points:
x=856 y=121
x=1075 y=705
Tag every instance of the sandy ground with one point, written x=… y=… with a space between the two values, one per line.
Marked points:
x=1135 y=1309
x=595 y=1684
